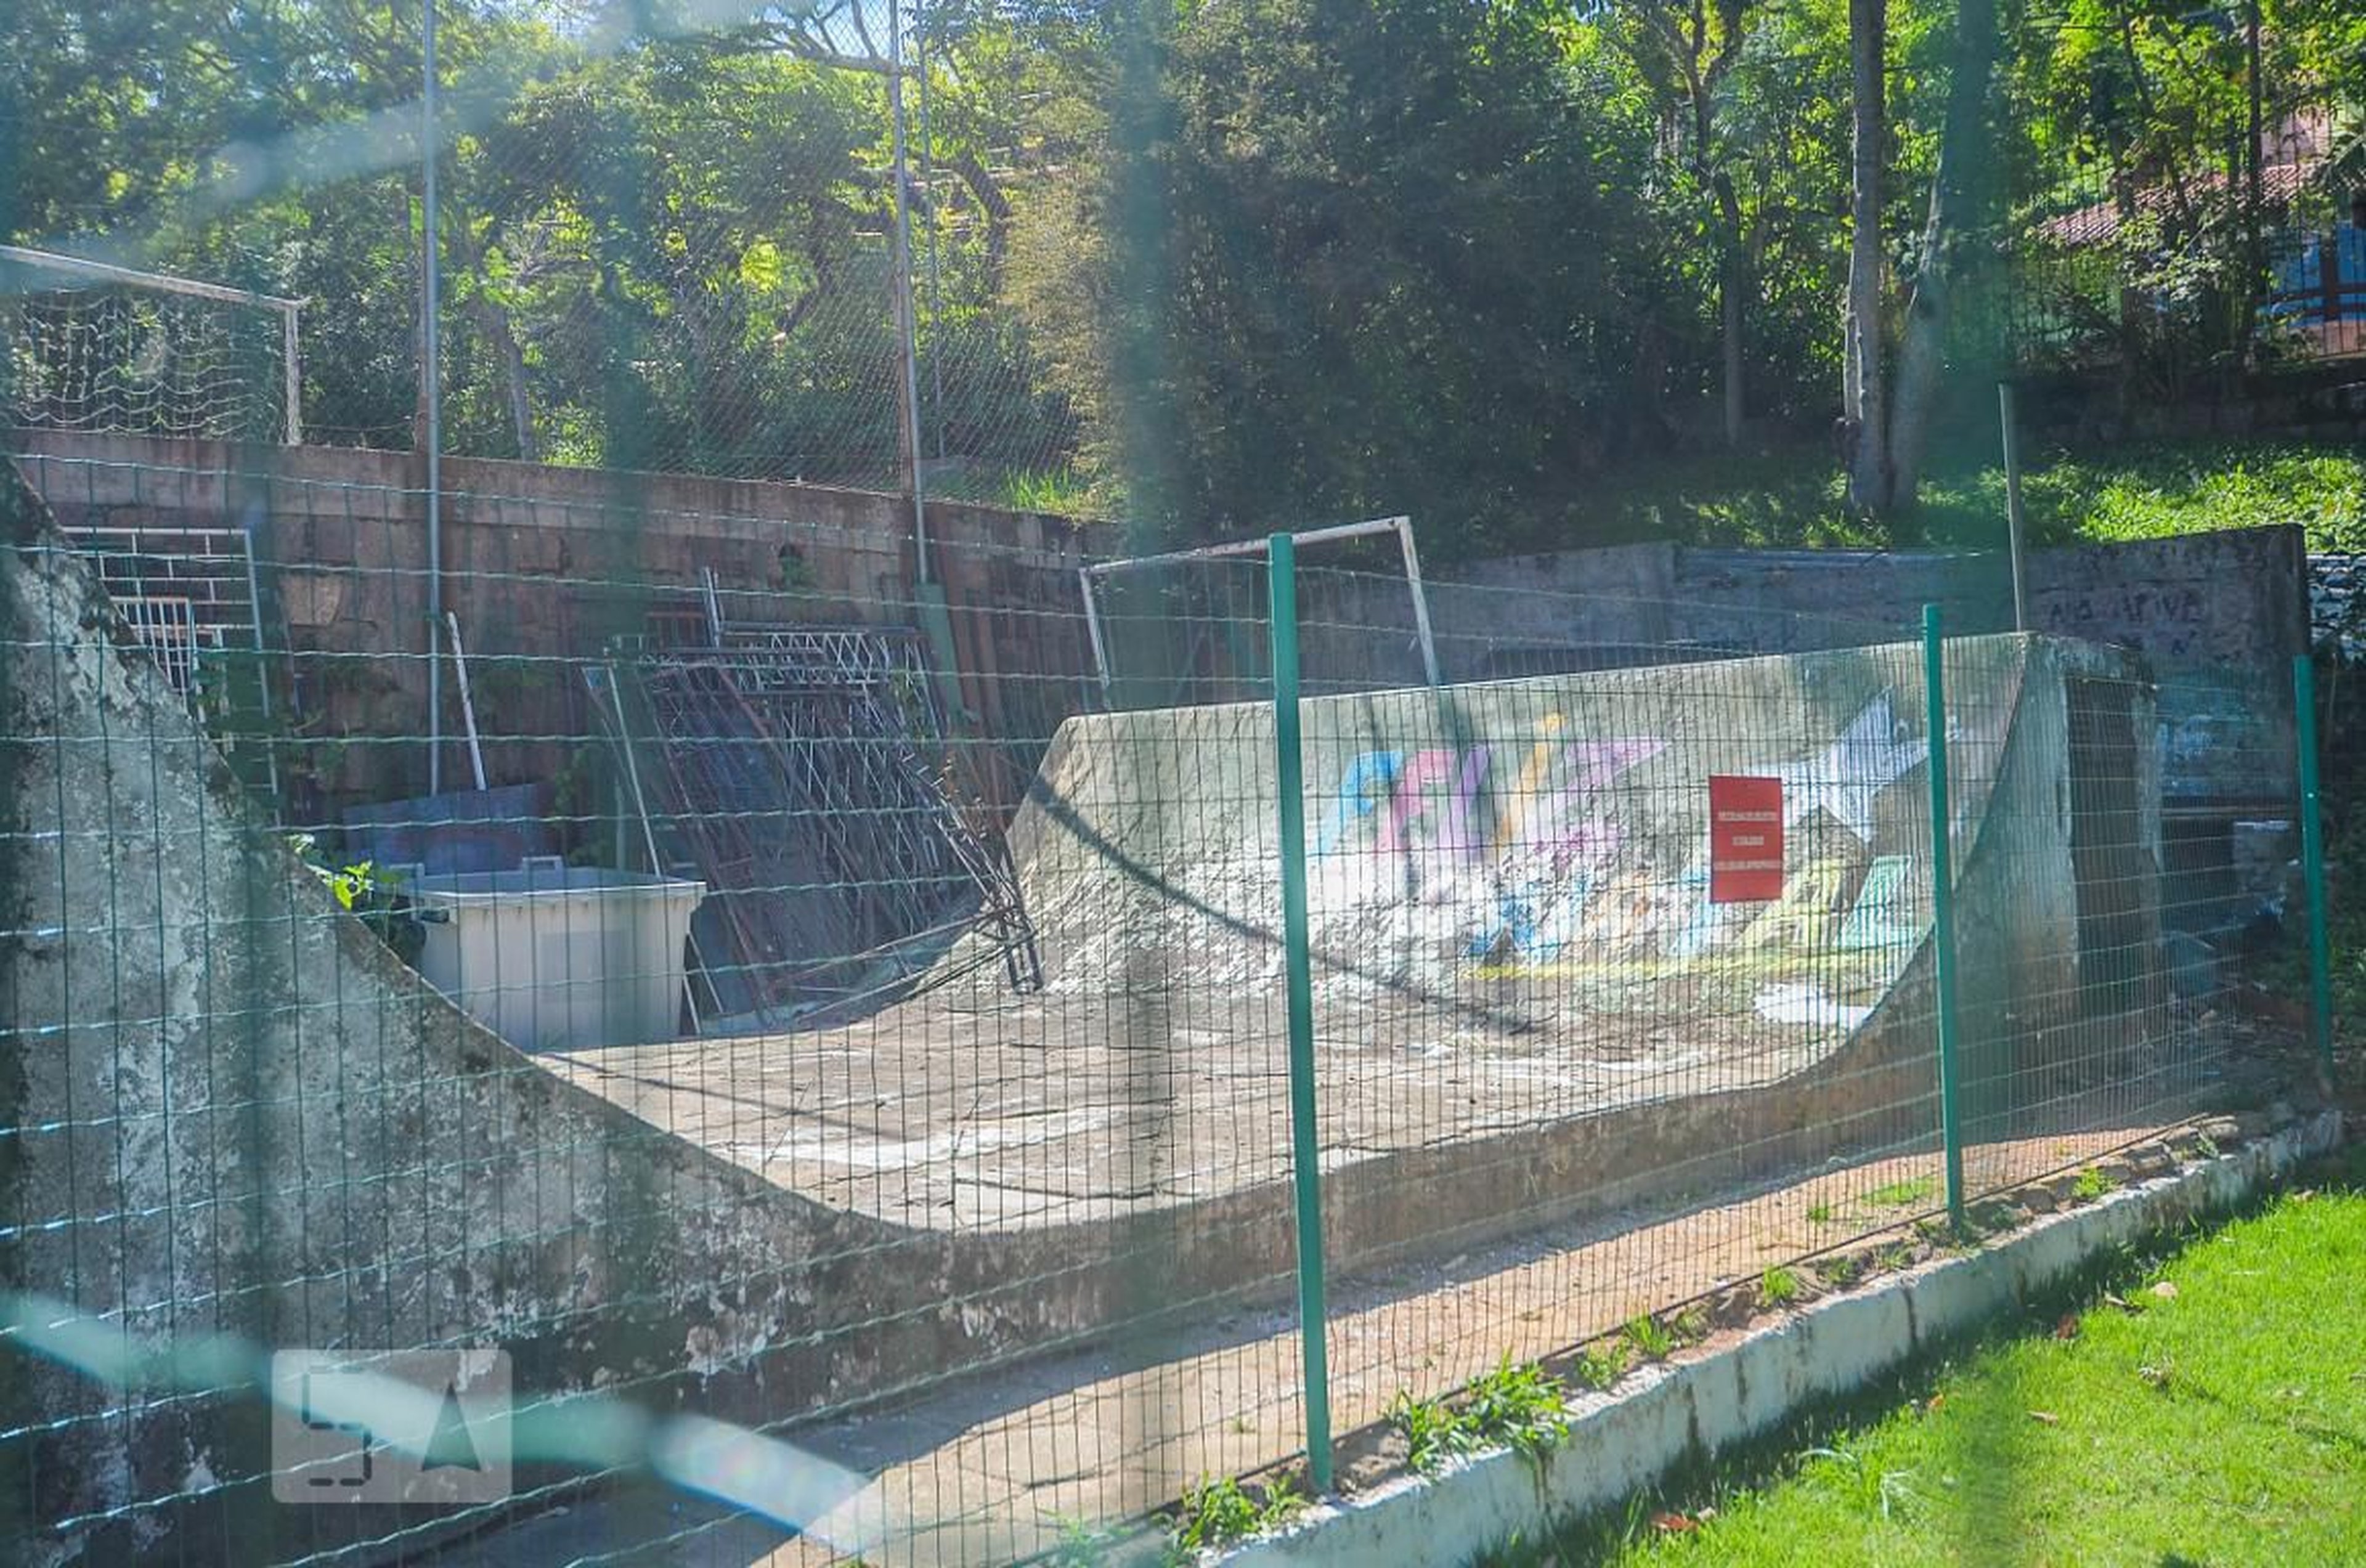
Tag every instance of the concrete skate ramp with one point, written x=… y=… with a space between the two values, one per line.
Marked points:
x=1525 y=1005
x=237 y=1113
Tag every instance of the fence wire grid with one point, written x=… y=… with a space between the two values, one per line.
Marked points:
x=839 y=1050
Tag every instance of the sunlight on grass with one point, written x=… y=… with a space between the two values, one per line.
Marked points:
x=2217 y=1420
x=2136 y=492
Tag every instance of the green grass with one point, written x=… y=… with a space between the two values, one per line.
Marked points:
x=2220 y=1423
x=2132 y=491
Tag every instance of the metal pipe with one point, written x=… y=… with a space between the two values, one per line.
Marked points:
x=907 y=330
x=291 y=361
x=1093 y=629
x=81 y=266
x=936 y=293
x=432 y=386
x=1420 y=600
x=1253 y=547
x=1942 y=910
x=1306 y=1165
x=2012 y=511
x=467 y=703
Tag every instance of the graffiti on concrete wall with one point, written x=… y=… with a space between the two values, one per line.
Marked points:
x=1571 y=855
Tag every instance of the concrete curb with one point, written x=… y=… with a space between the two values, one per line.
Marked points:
x=1622 y=1441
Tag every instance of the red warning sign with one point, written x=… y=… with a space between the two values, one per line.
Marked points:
x=1745 y=839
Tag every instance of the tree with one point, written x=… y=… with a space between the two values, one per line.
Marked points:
x=1687 y=49
x=1864 y=402
x=1892 y=440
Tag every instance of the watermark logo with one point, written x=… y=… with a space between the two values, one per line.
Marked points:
x=423 y=1426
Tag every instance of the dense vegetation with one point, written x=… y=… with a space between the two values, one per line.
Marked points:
x=1214 y=266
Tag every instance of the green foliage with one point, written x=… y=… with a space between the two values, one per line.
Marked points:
x=1521 y=1406
x=1515 y=1405
x=1220 y=1512
x=1433 y=1430
x=1600 y=1365
x=1648 y=1338
x=2092 y=1183
x=360 y=889
x=1778 y=1287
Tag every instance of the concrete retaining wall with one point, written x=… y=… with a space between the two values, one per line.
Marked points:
x=543 y=564
x=1622 y=1442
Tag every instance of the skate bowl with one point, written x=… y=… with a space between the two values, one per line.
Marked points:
x=242 y=1116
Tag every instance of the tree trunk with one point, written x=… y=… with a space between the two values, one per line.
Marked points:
x=1863 y=412
x=1964 y=158
x=1732 y=287
x=493 y=319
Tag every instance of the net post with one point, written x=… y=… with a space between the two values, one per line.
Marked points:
x=2312 y=852
x=1942 y=910
x=1305 y=1146
x=291 y=371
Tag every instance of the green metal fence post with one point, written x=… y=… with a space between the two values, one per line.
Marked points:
x=1942 y=910
x=2312 y=854
x=1306 y=1147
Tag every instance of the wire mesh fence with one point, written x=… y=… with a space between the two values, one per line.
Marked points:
x=838 y=1047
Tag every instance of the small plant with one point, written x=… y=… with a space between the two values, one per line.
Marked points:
x=1519 y=1406
x=1902 y=1194
x=1081 y=1544
x=1778 y=1287
x=1893 y=1258
x=376 y=897
x=1649 y=1338
x=1841 y=1270
x=1600 y=1365
x=1433 y=1432
x=2093 y=1182
x=1217 y=1513
x=2207 y=1145
x=1819 y=1214
x=1691 y=1326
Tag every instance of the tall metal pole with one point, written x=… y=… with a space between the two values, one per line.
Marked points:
x=2014 y=521
x=1306 y=1170
x=906 y=327
x=1942 y=910
x=2255 y=258
x=291 y=360
x=430 y=378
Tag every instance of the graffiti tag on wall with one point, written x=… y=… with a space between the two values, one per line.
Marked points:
x=1559 y=852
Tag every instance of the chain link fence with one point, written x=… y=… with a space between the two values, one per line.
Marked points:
x=856 y=1058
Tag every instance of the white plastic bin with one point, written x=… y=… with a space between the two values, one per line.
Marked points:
x=553 y=957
